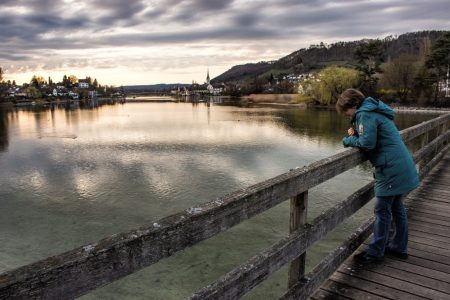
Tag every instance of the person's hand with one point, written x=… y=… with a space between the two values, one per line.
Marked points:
x=351 y=131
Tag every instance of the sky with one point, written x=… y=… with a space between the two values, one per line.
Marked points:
x=167 y=41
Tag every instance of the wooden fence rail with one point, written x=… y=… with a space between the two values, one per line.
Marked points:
x=78 y=271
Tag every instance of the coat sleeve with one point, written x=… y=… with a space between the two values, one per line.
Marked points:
x=367 y=133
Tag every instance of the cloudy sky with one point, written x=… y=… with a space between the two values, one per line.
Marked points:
x=167 y=41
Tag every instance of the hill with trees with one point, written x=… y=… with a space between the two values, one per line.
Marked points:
x=409 y=68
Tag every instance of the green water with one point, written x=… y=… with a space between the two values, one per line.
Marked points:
x=73 y=176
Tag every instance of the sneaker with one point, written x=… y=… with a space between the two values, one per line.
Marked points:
x=364 y=258
x=394 y=253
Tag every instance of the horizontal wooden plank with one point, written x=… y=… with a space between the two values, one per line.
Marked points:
x=430 y=249
x=429 y=235
x=418 y=129
x=408 y=276
x=436 y=145
x=323 y=294
x=394 y=283
x=424 y=170
x=422 y=218
x=435 y=229
x=372 y=287
x=439 y=229
x=432 y=206
x=344 y=290
x=415 y=269
x=426 y=220
x=424 y=238
x=415 y=258
x=239 y=281
x=423 y=196
x=429 y=256
x=422 y=209
x=434 y=190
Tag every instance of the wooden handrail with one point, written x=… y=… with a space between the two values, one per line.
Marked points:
x=78 y=271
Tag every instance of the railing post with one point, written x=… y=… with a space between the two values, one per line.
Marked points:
x=424 y=139
x=298 y=215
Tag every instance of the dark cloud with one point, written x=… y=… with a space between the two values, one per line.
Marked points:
x=118 y=11
x=211 y=4
x=14 y=57
x=246 y=19
x=215 y=34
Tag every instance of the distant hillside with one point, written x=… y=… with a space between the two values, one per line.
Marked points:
x=319 y=56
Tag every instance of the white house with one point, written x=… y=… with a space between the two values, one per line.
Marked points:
x=83 y=85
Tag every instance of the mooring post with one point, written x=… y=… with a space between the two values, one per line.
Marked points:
x=298 y=215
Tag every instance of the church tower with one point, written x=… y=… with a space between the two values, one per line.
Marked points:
x=207 y=77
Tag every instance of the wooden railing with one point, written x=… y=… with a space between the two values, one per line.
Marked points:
x=83 y=269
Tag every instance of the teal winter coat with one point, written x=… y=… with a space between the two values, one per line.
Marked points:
x=395 y=171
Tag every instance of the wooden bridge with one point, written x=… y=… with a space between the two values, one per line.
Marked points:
x=425 y=274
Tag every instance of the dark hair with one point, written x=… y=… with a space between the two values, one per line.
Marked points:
x=349 y=98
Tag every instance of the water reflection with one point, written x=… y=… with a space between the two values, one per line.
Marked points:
x=3 y=130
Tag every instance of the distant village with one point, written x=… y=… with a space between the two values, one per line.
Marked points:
x=278 y=84
x=70 y=88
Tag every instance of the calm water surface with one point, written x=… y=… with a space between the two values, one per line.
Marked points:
x=73 y=176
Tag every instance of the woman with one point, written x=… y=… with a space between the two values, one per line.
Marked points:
x=395 y=171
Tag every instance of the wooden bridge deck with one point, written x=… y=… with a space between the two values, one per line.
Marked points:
x=426 y=273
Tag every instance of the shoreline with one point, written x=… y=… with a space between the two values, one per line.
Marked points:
x=250 y=101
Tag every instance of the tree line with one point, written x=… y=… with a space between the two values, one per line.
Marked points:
x=40 y=87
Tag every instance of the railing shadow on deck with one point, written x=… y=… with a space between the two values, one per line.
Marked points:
x=86 y=268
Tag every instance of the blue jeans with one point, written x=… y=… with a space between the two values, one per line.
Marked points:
x=388 y=208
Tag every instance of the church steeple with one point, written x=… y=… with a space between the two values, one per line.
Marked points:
x=207 y=77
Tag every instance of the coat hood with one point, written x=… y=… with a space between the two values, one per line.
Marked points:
x=370 y=104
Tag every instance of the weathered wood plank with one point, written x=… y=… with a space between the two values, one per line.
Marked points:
x=425 y=262
x=326 y=295
x=424 y=238
x=433 y=189
x=418 y=129
x=422 y=209
x=430 y=249
x=435 y=229
x=434 y=146
x=432 y=163
x=394 y=283
x=422 y=196
x=343 y=290
x=329 y=264
x=426 y=214
x=232 y=285
x=372 y=287
x=429 y=256
x=429 y=235
x=407 y=276
x=442 y=208
x=415 y=269
x=437 y=234
x=421 y=218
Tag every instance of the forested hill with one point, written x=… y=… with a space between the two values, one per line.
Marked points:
x=340 y=53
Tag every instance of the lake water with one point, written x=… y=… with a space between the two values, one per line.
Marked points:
x=73 y=176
